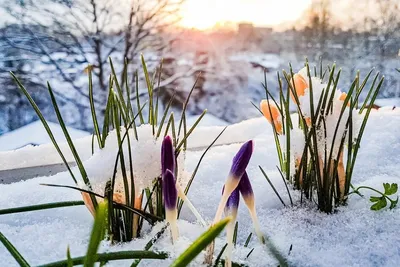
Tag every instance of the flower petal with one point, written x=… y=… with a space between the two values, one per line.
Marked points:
x=241 y=160
x=167 y=155
x=245 y=187
x=169 y=190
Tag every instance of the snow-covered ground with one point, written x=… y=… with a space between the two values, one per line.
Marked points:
x=353 y=236
x=35 y=134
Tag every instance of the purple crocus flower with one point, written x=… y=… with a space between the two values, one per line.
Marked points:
x=241 y=159
x=239 y=165
x=167 y=155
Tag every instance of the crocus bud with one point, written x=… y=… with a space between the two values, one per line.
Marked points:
x=246 y=190
x=300 y=85
x=239 y=164
x=241 y=160
x=271 y=113
x=170 y=200
x=167 y=155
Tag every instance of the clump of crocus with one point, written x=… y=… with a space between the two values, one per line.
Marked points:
x=228 y=201
x=311 y=145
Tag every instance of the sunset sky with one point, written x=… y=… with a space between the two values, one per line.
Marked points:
x=204 y=14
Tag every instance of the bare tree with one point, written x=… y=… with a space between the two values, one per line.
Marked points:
x=69 y=35
x=64 y=36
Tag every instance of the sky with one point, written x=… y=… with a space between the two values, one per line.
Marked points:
x=204 y=14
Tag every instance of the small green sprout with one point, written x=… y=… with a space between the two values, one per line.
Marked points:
x=380 y=202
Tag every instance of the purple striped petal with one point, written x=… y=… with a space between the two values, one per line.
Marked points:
x=241 y=159
x=169 y=190
x=167 y=155
x=233 y=200
x=245 y=187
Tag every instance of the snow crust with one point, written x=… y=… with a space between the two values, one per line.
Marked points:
x=353 y=236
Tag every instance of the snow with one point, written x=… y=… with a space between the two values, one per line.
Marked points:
x=207 y=120
x=388 y=102
x=353 y=236
x=46 y=154
x=35 y=134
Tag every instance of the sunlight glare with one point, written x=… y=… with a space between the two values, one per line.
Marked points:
x=204 y=14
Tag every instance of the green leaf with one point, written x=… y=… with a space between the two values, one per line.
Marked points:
x=392 y=189
x=393 y=203
x=13 y=251
x=200 y=243
x=375 y=199
x=380 y=204
x=98 y=231
x=386 y=186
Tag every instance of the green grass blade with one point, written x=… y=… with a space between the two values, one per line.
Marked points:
x=93 y=110
x=158 y=93
x=190 y=131
x=45 y=206
x=152 y=219
x=70 y=143
x=45 y=124
x=186 y=103
x=13 y=251
x=98 y=231
x=272 y=185
x=165 y=115
x=218 y=259
x=119 y=90
x=201 y=243
x=235 y=233
x=107 y=122
x=369 y=93
x=70 y=263
x=149 y=90
x=112 y=256
x=128 y=90
x=138 y=98
x=246 y=244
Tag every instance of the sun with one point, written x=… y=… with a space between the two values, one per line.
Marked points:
x=204 y=14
